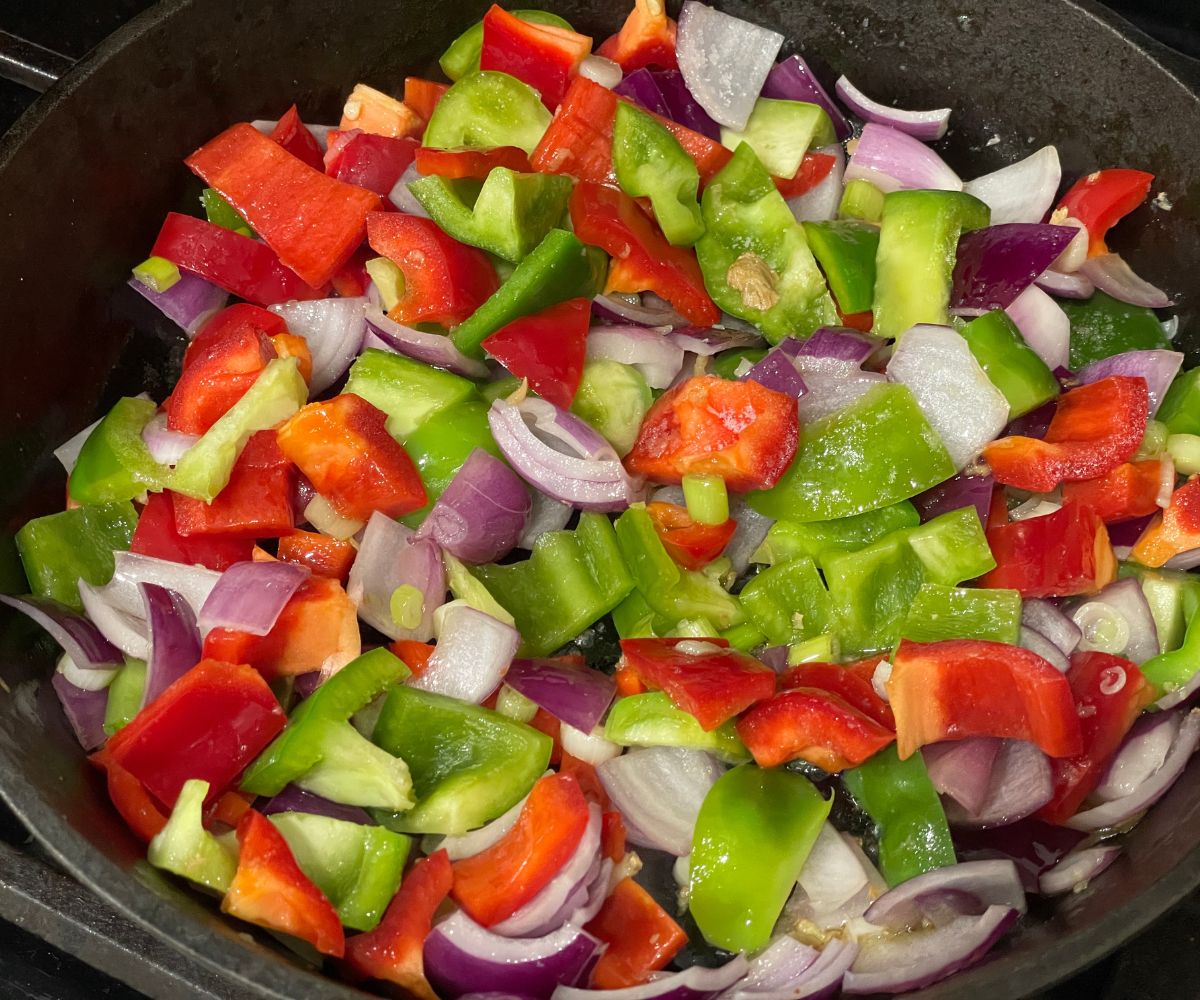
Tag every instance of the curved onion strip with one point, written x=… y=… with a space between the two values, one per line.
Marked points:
x=1074 y=871
x=990 y=883
x=82 y=640
x=648 y=349
x=1022 y=191
x=1110 y=273
x=482 y=513
x=166 y=446
x=333 y=330
x=1140 y=756
x=695 y=983
x=619 y=309
x=390 y=556
x=473 y=651
x=1019 y=785
x=187 y=303
x=84 y=710
x=924 y=125
x=892 y=160
x=435 y=349
x=250 y=596
x=174 y=639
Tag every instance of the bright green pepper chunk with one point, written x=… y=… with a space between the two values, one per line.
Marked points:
x=488 y=109
x=820 y=649
x=846 y=252
x=940 y=612
x=467 y=589
x=650 y=163
x=219 y=212
x=754 y=257
x=409 y=392
x=183 y=847
x=781 y=132
x=125 y=696
x=789 y=602
x=60 y=549
x=388 y=279
x=898 y=795
x=441 y=445
x=952 y=547
x=861 y=200
x=571 y=579
x=1010 y=363
x=634 y=618
x=754 y=831
x=1101 y=327
x=114 y=463
x=468 y=763
x=1180 y=409
x=787 y=540
x=877 y=451
x=357 y=867
x=650 y=720
x=706 y=497
x=354 y=771
x=613 y=398
x=509 y=216
x=1173 y=596
x=745 y=637
x=462 y=57
x=871 y=591
x=1170 y=671
x=918 y=241
x=157 y=273
x=558 y=269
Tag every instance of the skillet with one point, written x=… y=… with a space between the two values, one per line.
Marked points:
x=87 y=175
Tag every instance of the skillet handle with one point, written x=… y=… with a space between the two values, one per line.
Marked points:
x=31 y=65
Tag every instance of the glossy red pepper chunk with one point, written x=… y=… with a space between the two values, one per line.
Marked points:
x=741 y=431
x=256 y=503
x=1109 y=694
x=310 y=220
x=850 y=681
x=958 y=688
x=292 y=134
x=611 y=220
x=691 y=544
x=156 y=535
x=647 y=38
x=547 y=348
x=1095 y=428
x=444 y=281
x=1175 y=531
x=271 y=891
x=374 y=162
x=141 y=813
x=475 y=164
x=813 y=169
x=1101 y=199
x=542 y=55
x=422 y=96
x=209 y=724
x=642 y=937
x=324 y=555
x=1130 y=490
x=714 y=685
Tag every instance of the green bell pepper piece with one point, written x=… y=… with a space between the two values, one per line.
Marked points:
x=918 y=241
x=1101 y=327
x=1180 y=409
x=753 y=833
x=861 y=200
x=468 y=763
x=513 y=705
x=787 y=540
x=877 y=451
x=940 y=612
x=781 y=132
x=441 y=445
x=353 y=771
x=871 y=591
x=219 y=212
x=613 y=398
x=357 y=867
x=1170 y=671
x=570 y=579
x=114 y=463
x=754 y=258
x=820 y=649
x=650 y=163
x=633 y=618
x=157 y=273
x=1010 y=364
x=462 y=57
x=464 y=587
x=952 y=547
x=509 y=216
x=58 y=550
x=788 y=602
x=183 y=847
x=745 y=637
x=125 y=696
x=488 y=109
x=846 y=252
x=898 y=795
x=726 y=363
x=651 y=720
x=297 y=749
x=1173 y=596
x=409 y=392
x=558 y=269
x=277 y=393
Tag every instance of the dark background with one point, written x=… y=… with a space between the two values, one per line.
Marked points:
x=1163 y=963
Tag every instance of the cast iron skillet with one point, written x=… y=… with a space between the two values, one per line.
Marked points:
x=87 y=175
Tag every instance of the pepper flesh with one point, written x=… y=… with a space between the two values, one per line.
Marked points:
x=1101 y=326
x=647 y=38
x=542 y=55
x=1130 y=490
x=1175 y=531
x=689 y=543
x=547 y=349
x=114 y=463
x=641 y=937
x=1009 y=363
x=1101 y=199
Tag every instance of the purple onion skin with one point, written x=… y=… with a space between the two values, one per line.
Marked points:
x=84 y=711
x=1035 y=846
x=996 y=264
x=1033 y=424
x=960 y=491
x=295 y=799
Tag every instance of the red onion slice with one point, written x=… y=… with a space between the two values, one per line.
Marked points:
x=467 y=845
x=84 y=711
x=295 y=799
x=1142 y=753
x=250 y=596
x=898 y=963
x=752 y=528
x=618 y=309
x=837 y=880
x=1158 y=368
x=1043 y=324
x=174 y=639
x=391 y=556
x=1110 y=273
x=574 y=694
x=473 y=651
x=192 y=583
x=1065 y=286
x=820 y=204
x=166 y=446
x=995 y=264
x=1045 y=617
x=923 y=125
x=80 y=639
x=1022 y=191
x=482 y=513
x=1073 y=872
x=695 y=983
x=962 y=769
x=792 y=79
x=912 y=903
x=777 y=371
x=956 y=492
x=774 y=970
x=333 y=330
x=659 y=791
x=664 y=93
x=648 y=349
x=188 y=302
x=1019 y=785
x=435 y=349
x=724 y=61
x=126 y=631
x=1036 y=642
x=820 y=981
x=461 y=957
x=892 y=160
x=713 y=340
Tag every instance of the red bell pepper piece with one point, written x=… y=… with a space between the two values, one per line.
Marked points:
x=863 y=321
x=352 y=279
x=628 y=681
x=713 y=686
x=374 y=162
x=155 y=535
x=1175 y=531
x=394 y=951
x=137 y=808
x=813 y=725
x=247 y=268
x=414 y=654
x=691 y=544
x=324 y=555
x=813 y=169
x=542 y=55
x=589 y=781
x=292 y=345
x=741 y=431
x=209 y=724
x=1101 y=199
x=229 y=809
x=1095 y=428
x=710 y=156
x=311 y=221
x=1128 y=491
x=610 y=219
x=422 y=96
x=256 y=503
x=318 y=626
x=958 y=688
x=476 y=164
x=641 y=937
x=371 y=110
x=1056 y=555
x=444 y=281
x=851 y=682
x=336 y=141
x=547 y=348
x=291 y=134
x=1109 y=693
x=612 y=836
x=545 y=722
x=343 y=447
x=647 y=38
x=492 y=885
x=270 y=890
